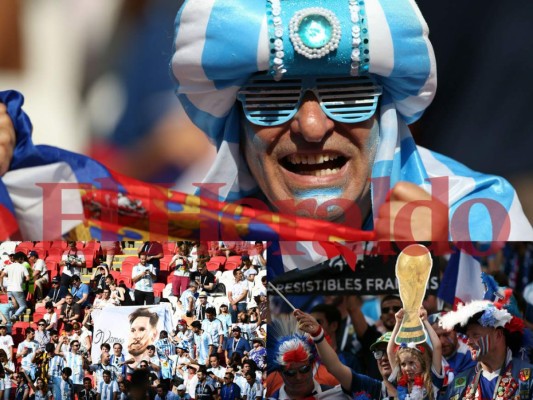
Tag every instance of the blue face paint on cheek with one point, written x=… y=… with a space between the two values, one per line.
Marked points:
x=255 y=147
x=253 y=139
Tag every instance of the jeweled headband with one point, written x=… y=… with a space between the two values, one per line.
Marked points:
x=304 y=39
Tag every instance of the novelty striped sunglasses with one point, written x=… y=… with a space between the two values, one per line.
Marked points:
x=343 y=99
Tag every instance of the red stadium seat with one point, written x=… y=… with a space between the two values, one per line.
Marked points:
x=169 y=248
x=234 y=259
x=163 y=266
x=42 y=252
x=115 y=274
x=51 y=265
x=158 y=289
x=231 y=265
x=127 y=267
x=126 y=279
x=58 y=244
x=55 y=253
x=38 y=315
x=18 y=331
x=219 y=259
x=167 y=257
x=53 y=273
x=25 y=247
x=45 y=245
x=212 y=266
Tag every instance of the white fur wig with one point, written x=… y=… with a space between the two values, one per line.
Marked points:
x=491 y=315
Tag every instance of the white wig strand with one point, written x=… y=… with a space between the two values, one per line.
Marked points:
x=496 y=318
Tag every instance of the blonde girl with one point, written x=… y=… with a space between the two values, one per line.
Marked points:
x=420 y=368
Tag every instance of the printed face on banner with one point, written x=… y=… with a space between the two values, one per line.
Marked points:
x=134 y=328
x=142 y=334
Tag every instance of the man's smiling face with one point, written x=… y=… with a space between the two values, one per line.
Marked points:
x=313 y=157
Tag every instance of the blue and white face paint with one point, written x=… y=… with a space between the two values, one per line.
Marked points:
x=481 y=347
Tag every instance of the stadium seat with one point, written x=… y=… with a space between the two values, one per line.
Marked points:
x=163 y=265
x=158 y=289
x=167 y=257
x=37 y=315
x=45 y=245
x=25 y=247
x=230 y=265
x=219 y=300
x=58 y=244
x=169 y=248
x=235 y=259
x=127 y=267
x=51 y=265
x=41 y=252
x=213 y=265
x=220 y=259
x=18 y=331
x=115 y=274
x=126 y=279
x=55 y=254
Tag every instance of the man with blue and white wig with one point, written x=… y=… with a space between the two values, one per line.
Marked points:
x=308 y=104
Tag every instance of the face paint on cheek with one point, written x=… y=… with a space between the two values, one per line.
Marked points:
x=321 y=195
x=253 y=141
x=253 y=138
x=482 y=347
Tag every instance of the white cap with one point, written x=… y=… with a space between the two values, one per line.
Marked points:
x=181 y=387
x=250 y=272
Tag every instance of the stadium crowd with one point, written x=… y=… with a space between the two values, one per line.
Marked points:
x=216 y=291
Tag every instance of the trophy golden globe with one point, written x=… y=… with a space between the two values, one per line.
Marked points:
x=413 y=267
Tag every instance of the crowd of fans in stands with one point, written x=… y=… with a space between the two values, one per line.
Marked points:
x=217 y=350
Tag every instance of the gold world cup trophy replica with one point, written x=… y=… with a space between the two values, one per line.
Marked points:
x=413 y=268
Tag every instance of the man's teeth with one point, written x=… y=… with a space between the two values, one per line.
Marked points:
x=321 y=172
x=311 y=158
